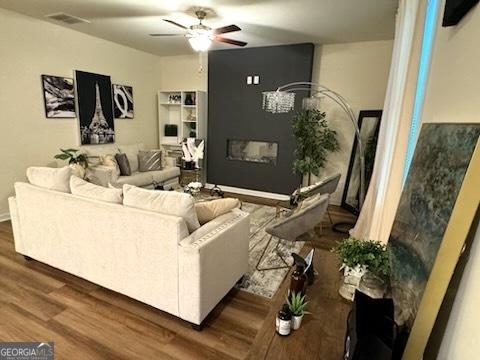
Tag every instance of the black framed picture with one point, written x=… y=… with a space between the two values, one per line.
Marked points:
x=122 y=101
x=95 y=108
x=58 y=96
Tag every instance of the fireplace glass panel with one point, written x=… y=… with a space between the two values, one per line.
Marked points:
x=252 y=151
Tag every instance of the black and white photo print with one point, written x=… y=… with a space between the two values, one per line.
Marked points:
x=95 y=108
x=58 y=96
x=123 y=101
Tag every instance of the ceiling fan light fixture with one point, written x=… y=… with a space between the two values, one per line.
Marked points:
x=200 y=40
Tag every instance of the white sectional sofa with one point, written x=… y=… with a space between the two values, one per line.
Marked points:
x=104 y=175
x=148 y=256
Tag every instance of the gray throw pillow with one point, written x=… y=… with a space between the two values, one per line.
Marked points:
x=123 y=164
x=149 y=160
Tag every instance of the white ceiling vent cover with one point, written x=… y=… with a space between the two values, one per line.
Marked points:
x=67 y=19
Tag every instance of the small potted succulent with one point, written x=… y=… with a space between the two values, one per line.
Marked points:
x=296 y=303
x=365 y=265
x=78 y=162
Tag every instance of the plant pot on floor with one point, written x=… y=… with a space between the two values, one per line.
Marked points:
x=351 y=281
x=296 y=322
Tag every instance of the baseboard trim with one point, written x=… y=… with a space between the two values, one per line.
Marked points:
x=249 y=192
x=4 y=217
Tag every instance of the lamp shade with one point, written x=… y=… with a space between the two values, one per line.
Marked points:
x=200 y=41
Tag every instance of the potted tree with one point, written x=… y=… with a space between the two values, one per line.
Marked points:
x=78 y=162
x=365 y=265
x=296 y=303
x=314 y=141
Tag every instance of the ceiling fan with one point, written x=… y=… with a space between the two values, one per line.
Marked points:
x=200 y=36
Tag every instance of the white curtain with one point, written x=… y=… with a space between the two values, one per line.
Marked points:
x=371 y=223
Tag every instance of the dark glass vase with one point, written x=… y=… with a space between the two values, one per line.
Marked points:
x=189 y=99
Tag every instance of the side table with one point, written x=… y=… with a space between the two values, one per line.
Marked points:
x=188 y=176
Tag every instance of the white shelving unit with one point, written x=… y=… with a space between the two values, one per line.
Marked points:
x=191 y=119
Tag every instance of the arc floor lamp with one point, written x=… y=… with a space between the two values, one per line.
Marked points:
x=282 y=100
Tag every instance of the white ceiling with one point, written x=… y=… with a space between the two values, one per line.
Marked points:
x=263 y=22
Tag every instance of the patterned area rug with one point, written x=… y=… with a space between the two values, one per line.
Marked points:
x=265 y=283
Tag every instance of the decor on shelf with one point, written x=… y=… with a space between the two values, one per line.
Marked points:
x=174 y=99
x=192 y=129
x=297 y=304
x=282 y=100
x=369 y=124
x=171 y=130
x=189 y=99
x=58 y=96
x=95 y=109
x=123 y=101
x=314 y=140
x=77 y=161
x=436 y=211
x=193 y=151
x=359 y=257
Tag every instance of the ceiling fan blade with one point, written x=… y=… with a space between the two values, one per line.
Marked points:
x=226 y=29
x=229 y=41
x=155 y=35
x=175 y=23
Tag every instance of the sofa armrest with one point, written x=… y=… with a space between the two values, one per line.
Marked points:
x=211 y=260
x=102 y=175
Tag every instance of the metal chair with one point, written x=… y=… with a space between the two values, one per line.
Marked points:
x=292 y=226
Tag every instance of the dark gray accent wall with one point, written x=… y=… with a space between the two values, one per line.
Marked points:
x=235 y=112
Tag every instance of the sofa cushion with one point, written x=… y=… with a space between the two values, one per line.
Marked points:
x=149 y=160
x=132 y=152
x=123 y=164
x=164 y=202
x=209 y=210
x=165 y=174
x=110 y=161
x=50 y=178
x=83 y=188
x=136 y=179
x=96 y=152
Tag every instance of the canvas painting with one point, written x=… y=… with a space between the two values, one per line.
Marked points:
x=123 y=101
x=95 y=108
x=58 y=96
x=441 y=159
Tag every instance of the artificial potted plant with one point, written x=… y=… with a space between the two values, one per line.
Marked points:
x=314 y=140
x=365 y=265
x=296 y=303
x=78 y=162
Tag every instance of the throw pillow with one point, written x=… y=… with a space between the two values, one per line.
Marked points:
x=57 y=179
x=209 y=210
x=123 y=164
x=149 y=160
x=164 y=202
x=83 y=188
x=132 y=151
x=109 y=160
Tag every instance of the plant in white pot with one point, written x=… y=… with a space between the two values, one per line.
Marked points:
x=365 y=265
x=297 y=304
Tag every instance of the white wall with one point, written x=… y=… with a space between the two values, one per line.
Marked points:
x=453 y=96
x=30 y=48
x=359 y=72
x=183 y=72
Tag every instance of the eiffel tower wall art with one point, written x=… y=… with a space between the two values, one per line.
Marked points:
x=95 y=108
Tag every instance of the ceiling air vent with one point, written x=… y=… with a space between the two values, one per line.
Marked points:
x=67 y=19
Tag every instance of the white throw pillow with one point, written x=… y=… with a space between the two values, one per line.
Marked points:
x=83 y=188
x=164 y=202
x=209 y=210
x=132 y=154
x=57 y=179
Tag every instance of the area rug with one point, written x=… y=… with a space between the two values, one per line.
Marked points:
x=265 y=283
